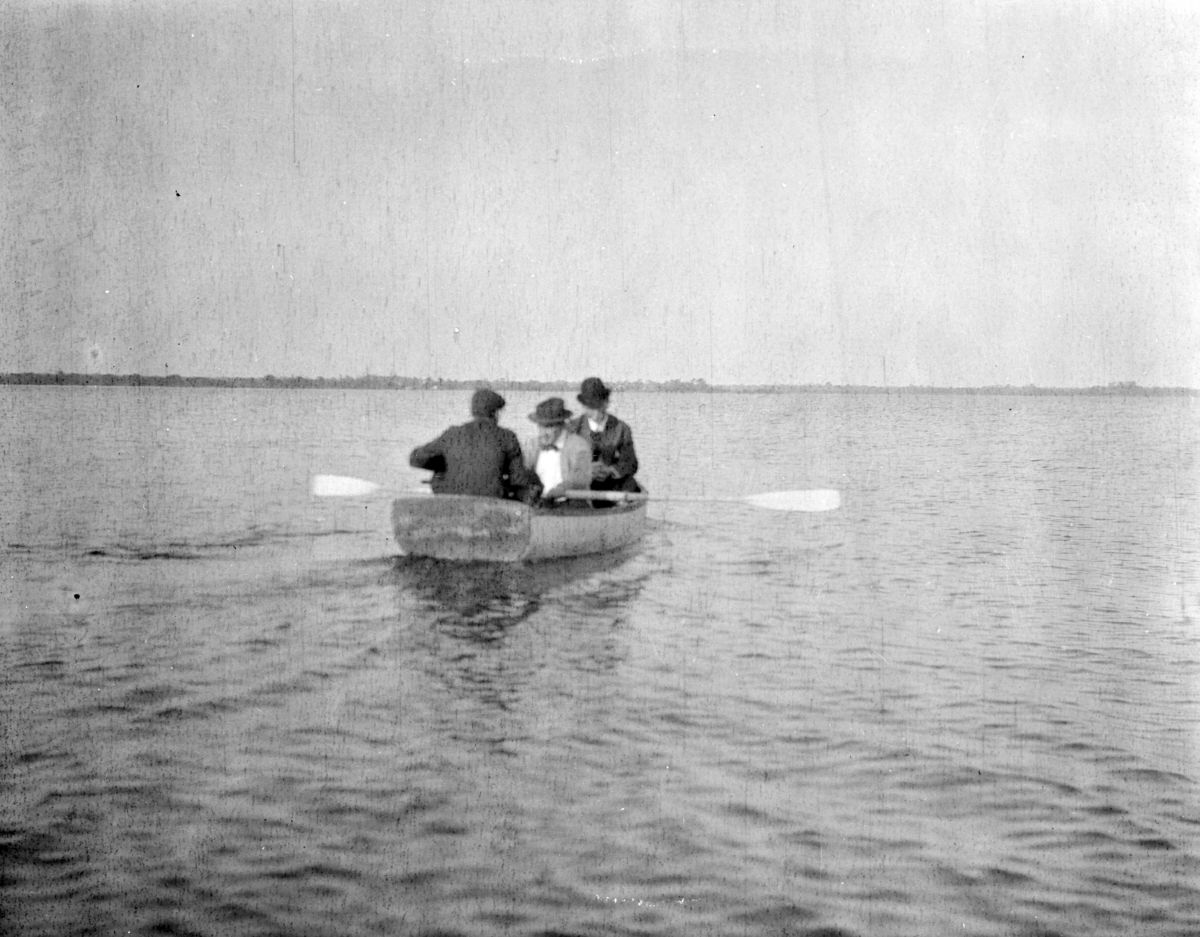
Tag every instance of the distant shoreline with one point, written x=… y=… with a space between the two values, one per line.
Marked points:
x=372 y=382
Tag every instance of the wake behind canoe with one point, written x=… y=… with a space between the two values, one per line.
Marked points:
x=461 y=527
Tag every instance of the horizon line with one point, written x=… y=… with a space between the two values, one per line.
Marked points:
x=695 y=385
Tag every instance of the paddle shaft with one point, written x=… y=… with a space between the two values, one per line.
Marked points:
x=620 y=497
x=579 y=494
x=812 y=500
x=339 y=486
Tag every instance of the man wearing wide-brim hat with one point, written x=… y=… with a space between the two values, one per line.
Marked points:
x=478 y=458
x=614 y=460
x=561 y=459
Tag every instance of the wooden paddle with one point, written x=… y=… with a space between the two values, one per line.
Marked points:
x=818 y=499
x=341 y=486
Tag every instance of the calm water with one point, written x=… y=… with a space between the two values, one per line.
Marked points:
x=967 y=702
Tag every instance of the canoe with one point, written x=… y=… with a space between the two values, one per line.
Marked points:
x=461 y=527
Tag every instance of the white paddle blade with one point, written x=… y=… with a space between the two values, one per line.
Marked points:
x=341 y=486
x=819 y=499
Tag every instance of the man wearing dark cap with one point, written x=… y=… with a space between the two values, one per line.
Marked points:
x=478 y=458
x=614 y=461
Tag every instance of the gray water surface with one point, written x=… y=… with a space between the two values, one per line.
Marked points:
x=966 y=702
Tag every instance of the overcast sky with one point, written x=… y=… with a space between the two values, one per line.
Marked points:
x=922 y=193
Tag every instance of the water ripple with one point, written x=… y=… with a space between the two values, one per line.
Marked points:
x=965 y=702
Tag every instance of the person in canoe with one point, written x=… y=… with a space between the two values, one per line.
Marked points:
x=562 y=459
x=614 y=460
x=478 y=458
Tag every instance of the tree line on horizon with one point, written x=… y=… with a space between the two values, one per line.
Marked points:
x=696 y=385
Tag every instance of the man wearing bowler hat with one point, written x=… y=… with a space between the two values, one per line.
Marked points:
x=614 y=460
x=478 y=458
x=561 y=459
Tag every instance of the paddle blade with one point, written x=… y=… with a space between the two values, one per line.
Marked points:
x=820 y=499
x=341 y=486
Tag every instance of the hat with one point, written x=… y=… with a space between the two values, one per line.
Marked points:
x=485 y=402
x=550 y=412
x=593 y=393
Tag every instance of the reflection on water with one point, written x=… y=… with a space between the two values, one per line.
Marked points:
x=510 y=637
x=477 y=601
x=492 y=597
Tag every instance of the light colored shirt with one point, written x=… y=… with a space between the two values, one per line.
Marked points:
x=549 y=465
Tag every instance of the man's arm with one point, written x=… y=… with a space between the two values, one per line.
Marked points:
x=627 y=463
x=522 y=481
x=431 y=456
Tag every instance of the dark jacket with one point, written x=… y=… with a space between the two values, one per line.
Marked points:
x=613 y=447
x=477 y=458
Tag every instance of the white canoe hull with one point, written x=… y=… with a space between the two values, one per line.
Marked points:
x=460 y=527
